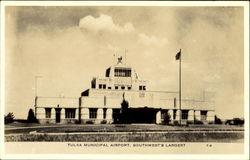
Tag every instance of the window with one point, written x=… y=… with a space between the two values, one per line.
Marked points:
x=122 y=72
x=104 y=113
x=129 y=88
x=116 y=87
x=105 y=100
x=122 y=87
x=108 y=72
x=93 y=83
x=48 y=112
x=102 y=86
x=109 y=87
x=140 y=87
x=70 y=112
x=203 y=115
x=144 y=88
x=174 y=102
x=184 y=114
x=93 y=113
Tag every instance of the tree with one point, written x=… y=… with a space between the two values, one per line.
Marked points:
x=124 y=114
x=9 y=118
x=217 y=120
x=31 y=117
x=166 y=118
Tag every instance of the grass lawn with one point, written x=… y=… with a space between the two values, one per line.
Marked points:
x=138 y=133
x=132 y=137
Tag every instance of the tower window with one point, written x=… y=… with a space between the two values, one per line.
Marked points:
x=129 y=88
x=104 y=86
x=122 y=72
x=122 y=87
x=116 y=87
x=100 y=86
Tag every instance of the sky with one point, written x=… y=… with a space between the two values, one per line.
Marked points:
x=68 y=46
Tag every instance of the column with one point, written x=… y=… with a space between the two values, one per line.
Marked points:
x=84 y=113
x=40 y=113
x=197 y=115
x=171 y=114
x=53 y=113
x=210 y=116
x=158 y=117
x=77 y=114
x=177 y=118
x=99 y=113
x=63 y=113
x=191 y=115
x=109 y=115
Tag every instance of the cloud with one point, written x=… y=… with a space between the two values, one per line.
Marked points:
x=104 y=23
x=147 y=40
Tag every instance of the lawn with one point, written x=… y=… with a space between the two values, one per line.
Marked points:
x=127 y=133
x=132 y=137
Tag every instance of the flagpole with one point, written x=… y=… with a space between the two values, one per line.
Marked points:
x=180 y=87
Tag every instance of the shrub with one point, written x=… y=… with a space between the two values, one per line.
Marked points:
x=198 y=122
x=190 y=122
x=217 y=120
x=238 y=121
x=176 y=122
x=210 y=122
x=124 y=115
x=9 y=118
x=166 y=118
x=103 y=122
x=31 y=117
x=89 y=122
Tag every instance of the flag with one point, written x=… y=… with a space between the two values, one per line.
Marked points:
x=178 y=55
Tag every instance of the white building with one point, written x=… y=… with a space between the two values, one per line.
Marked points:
x=102 y=102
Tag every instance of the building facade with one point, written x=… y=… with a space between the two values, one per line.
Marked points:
x=101 y=103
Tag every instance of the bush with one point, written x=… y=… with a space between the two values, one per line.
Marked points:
x=235 y=121
x=190 y=122
x=31 y=117
x=210 y=122
x=238 y=121
x=198 y=122
x=89 y=122
x=9 y=118
x=166 y=118
x=103 y=122
x=124 y=115
x=217 y=120
x=176 y=122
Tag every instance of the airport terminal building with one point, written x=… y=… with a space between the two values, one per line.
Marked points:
x=101 y=103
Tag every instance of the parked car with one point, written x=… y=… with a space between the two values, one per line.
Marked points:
x=235 y=121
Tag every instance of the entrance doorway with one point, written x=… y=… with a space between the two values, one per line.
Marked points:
x=142 y=115
x=58 y=115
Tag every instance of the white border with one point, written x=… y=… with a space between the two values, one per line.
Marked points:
x=244 y=4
